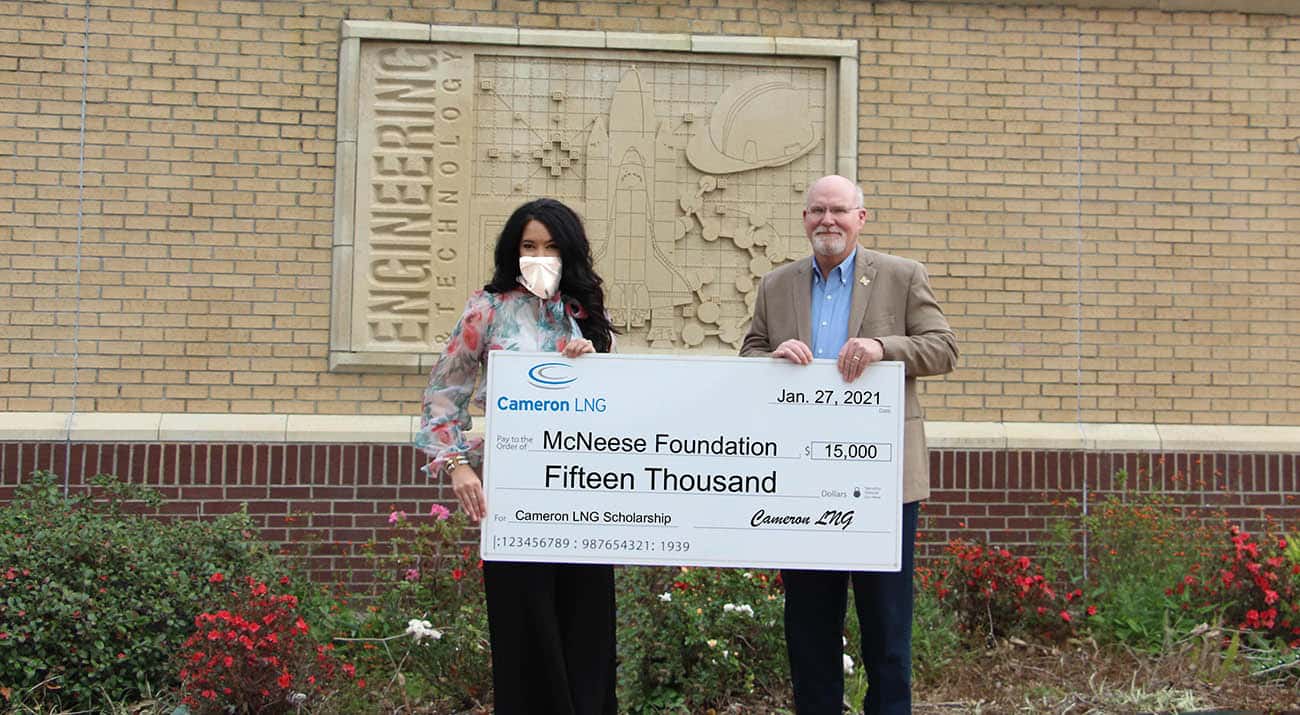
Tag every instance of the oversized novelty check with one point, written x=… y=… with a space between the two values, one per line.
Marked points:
x=706 y=461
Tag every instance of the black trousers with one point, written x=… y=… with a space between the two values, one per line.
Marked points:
x=815 y=605
x=552 y=628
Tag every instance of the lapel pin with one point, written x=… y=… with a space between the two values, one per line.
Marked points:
x=864 y=281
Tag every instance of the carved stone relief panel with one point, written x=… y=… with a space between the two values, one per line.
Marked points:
x=688 y=169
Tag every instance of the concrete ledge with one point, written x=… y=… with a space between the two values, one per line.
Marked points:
x=1121 y=438
x=222 y=428
x=346 y=429
x=1212 y=438
x=647 y=41
x=33 y=426
x=376 y=29
x=817 y=47
x=111 y=427
x=670 y=42
x=561 y=38
x=733 y=44
x=1043 y=435
x=345 y=361
x=475 y=35
x=400 y=429
x=349 y=83
x=966 y=435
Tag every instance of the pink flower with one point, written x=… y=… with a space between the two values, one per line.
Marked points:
x=412 y=574
x=396 y=516
x=439 y=512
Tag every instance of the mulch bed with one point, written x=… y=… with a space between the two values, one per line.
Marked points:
x=1079 y=678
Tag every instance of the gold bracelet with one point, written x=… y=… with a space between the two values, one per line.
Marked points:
x=450 y=464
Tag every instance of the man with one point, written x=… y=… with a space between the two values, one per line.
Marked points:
x=859 y=307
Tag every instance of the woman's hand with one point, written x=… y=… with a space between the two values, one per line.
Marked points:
x=580 y=346
x=469 y=490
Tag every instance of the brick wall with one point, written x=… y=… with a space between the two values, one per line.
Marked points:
x=1106 y=198
x=329 y=500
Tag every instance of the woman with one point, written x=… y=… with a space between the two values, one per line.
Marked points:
x=551 y=625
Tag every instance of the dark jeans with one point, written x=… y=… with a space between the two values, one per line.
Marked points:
x=815 y=605
x=552 y=629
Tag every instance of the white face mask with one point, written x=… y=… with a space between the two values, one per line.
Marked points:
x=540 y=275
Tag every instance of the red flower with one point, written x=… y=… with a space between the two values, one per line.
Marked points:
x=284 y=680
x=457 y=574
x=1092 y=610
x=216 y=578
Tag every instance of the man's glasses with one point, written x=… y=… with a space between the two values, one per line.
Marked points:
x=835 y=211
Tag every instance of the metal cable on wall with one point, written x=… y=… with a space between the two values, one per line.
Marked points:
x=1078 y=261
x=81 y=227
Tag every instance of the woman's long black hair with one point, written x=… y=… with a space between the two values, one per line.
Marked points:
x=579 y=284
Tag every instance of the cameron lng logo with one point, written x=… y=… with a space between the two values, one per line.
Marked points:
x=551 y=375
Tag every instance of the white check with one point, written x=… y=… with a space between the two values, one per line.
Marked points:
x=705 y=461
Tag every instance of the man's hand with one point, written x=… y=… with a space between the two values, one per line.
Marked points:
x=794 y=351
x=856 y=355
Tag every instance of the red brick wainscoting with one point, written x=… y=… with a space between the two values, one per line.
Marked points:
x=1009 y=498
x=328 y=500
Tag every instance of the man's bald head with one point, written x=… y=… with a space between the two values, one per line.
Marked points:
x=833 y=180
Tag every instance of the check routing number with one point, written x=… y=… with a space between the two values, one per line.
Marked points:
x=705 y=461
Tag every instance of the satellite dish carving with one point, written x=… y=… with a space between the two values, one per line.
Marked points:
x=758 y=122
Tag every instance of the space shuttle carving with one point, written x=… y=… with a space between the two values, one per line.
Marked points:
x=632 y=253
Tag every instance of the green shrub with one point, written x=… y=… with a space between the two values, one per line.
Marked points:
x=1141 y=550
x=425 y=636
x=95 y=602
x=993 y=593
x=936 y=638
x=1256 y=586
x=693 y=638
x=255 y=655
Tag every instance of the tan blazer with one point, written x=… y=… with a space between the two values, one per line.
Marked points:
x=896 y=306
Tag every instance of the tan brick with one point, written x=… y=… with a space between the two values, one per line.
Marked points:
x=214 y=130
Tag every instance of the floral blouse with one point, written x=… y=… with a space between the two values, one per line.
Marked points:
x=515 y=320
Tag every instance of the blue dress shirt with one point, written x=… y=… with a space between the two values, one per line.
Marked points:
x=832 y=297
